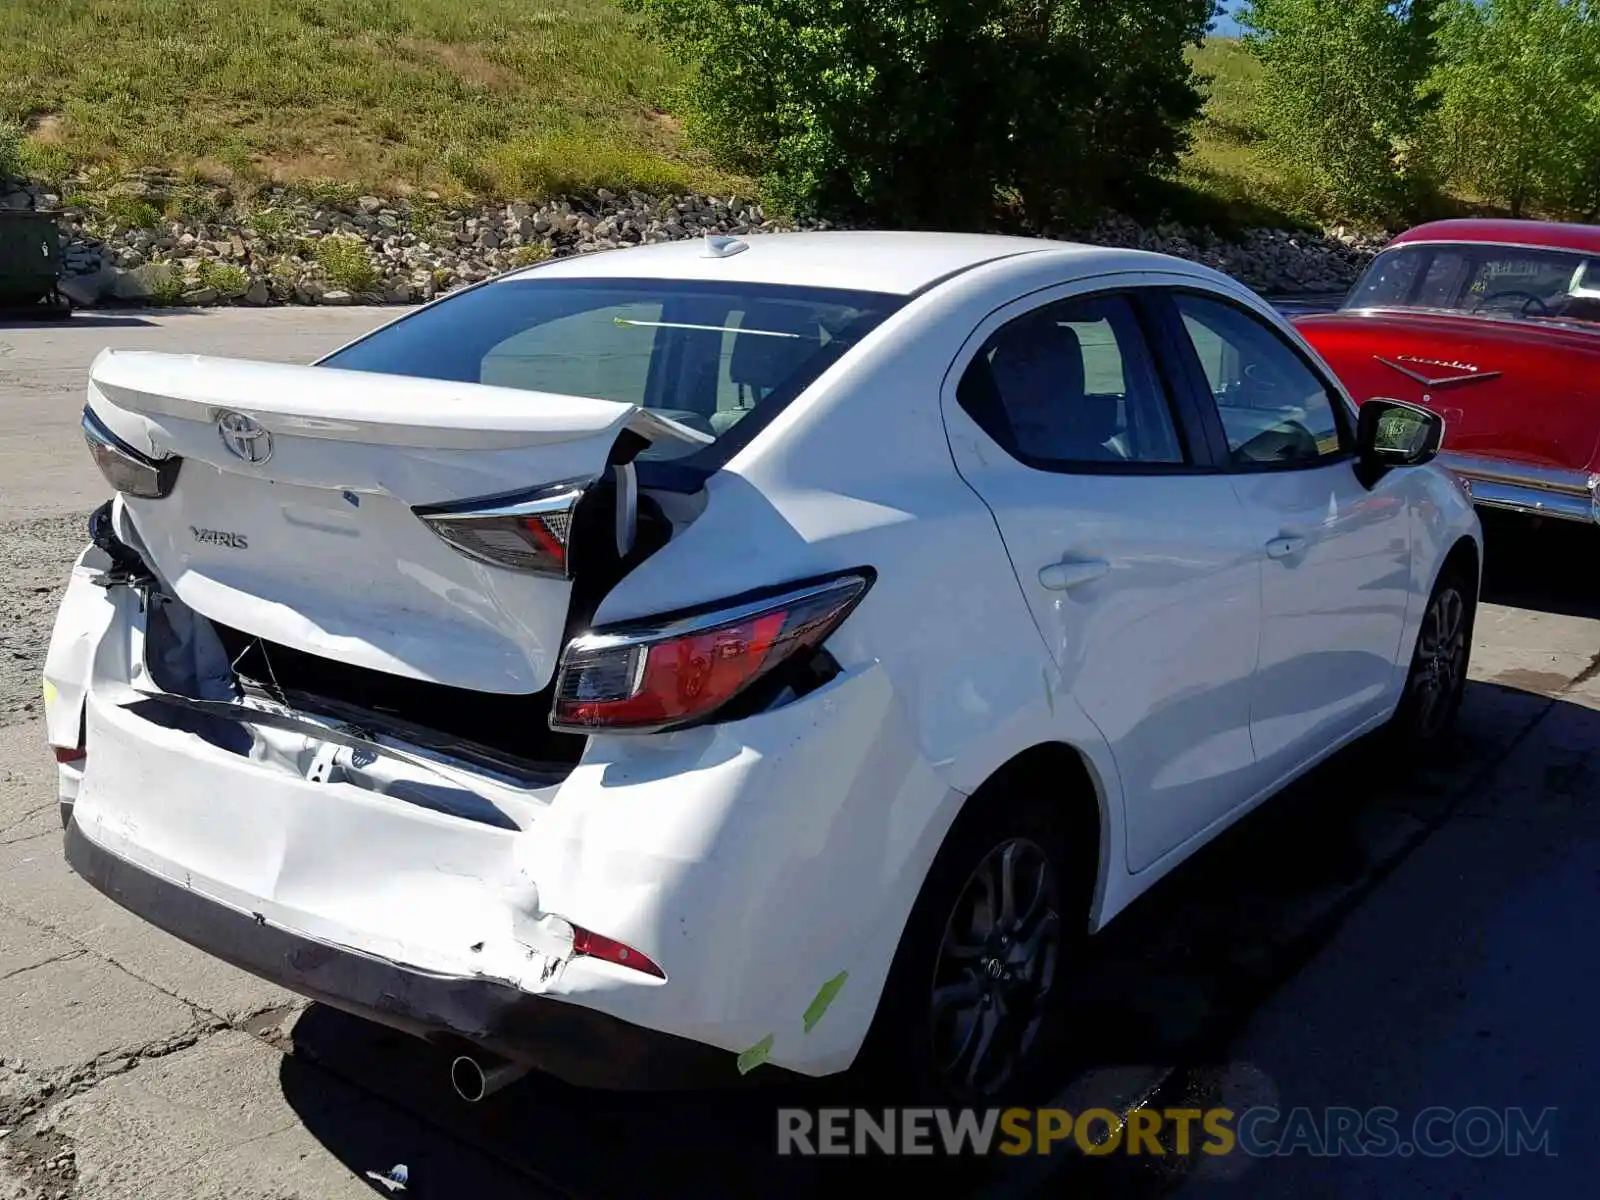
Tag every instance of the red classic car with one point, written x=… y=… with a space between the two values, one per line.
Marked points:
x=1495 y=325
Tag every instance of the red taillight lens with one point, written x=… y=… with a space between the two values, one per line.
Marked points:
x=69 y=754
x=593 y=945
x=675 y=672
x=527 y=532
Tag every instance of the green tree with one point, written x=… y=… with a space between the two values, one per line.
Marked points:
x=920 y=111
x=1339 y=98
x=1518 y=89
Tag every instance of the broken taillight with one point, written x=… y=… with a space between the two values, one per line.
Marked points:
x=528 y=531
x=672 y=672
x=126 y=469
x=72 y=755
x=592 y=945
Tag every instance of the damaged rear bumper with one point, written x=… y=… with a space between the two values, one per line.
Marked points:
x=754 y=862
x=579 y=1045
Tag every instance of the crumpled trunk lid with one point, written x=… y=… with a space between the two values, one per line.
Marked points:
x=292 y=516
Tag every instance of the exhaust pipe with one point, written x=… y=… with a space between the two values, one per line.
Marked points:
x=474 y=1080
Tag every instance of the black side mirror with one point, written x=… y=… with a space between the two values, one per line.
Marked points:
x=1391 y=433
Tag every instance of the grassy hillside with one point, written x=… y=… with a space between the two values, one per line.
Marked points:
x=1225 y=162
x=510 y=96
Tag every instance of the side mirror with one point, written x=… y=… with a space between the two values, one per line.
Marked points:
x=1391 y=433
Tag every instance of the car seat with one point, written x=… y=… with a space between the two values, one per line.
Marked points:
x=767 y=352
x=1038 y=377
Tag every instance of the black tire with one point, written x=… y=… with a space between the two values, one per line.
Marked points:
x=1426 y=717
x=1016 y=996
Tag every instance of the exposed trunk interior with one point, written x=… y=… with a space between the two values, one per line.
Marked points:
x=507 y=732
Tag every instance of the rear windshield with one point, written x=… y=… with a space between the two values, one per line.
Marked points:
x=706 y=355
x=1510 y=282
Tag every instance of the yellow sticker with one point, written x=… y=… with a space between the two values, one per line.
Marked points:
x=823 y=998
x=49 y=693
x=755 y=1056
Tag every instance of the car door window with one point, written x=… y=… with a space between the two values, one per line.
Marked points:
x=1070 y=384
x=1276 y=411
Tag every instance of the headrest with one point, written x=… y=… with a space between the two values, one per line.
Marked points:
x=769 y=362
x=1038 y=368
x=1038 y=372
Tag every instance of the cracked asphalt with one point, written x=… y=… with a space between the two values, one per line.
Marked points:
x=1381 y=935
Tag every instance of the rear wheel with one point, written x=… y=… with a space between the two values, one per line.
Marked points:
x=1434 y=689
x=972 y=1013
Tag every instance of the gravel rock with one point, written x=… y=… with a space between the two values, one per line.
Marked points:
x=419 y=249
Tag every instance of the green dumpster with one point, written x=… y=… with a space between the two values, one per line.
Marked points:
x=30 y=263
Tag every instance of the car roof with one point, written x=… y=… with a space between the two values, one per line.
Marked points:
x=1553 y=235
x=898 y=263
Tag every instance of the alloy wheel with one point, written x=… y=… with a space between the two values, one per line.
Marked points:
x=996 y=970
x=1439 y=670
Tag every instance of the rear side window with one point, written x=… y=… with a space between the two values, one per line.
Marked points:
x=1073 y=384
x=703 y=354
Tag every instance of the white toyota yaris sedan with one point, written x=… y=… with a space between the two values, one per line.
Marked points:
x=787 y=650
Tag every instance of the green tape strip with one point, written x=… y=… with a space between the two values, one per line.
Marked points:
x=755 y=1056
x=824 y=997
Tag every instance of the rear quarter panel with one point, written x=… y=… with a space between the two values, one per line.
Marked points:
x=859 y=472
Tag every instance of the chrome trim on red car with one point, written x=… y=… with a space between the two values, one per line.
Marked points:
x=1524 y=488
x=1585 y=327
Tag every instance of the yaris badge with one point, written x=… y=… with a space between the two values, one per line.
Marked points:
x=245 y=438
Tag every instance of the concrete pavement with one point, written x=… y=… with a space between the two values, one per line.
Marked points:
x=44 y=368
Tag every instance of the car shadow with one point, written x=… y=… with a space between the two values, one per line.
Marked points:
x=548 y=1138
x=1545 y=566
x=1161 y=992
x=78 y=320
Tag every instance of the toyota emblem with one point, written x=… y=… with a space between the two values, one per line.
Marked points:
x=245 y=438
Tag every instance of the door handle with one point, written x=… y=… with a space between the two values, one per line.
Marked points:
x=1073 y=572
x=1286 y=546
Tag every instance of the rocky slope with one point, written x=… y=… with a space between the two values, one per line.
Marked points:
x=153 y=239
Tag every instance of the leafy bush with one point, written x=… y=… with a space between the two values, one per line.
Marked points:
x=1518 y=84
x=230 y=281
x=348 y=265
x=168 y=284
x=920 y=111
x=49 y=165
x=1339 y=99
x=11 y=143
x=273 y=225
x=118 y=210
x=526 y=256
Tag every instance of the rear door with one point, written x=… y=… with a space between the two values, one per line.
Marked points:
x=1132 y=552
x=1335 y=555
x=301 y=509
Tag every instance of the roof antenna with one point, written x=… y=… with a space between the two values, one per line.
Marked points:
x=720 y=245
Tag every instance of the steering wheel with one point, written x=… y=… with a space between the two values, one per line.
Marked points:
x=1262 y=379
x=1288 y=442
x=1527 y=299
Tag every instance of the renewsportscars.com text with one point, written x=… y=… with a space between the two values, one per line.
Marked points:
x=1258 y=1132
